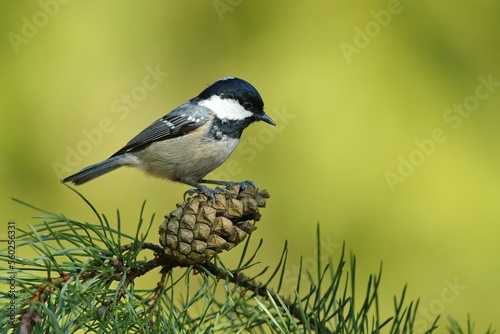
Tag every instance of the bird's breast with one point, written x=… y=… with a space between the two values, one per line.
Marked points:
x=188 y=157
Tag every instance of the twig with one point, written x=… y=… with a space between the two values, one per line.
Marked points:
x=261 y=290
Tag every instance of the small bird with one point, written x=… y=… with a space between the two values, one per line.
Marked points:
x=192 y=140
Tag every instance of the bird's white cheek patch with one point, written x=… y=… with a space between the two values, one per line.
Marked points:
x=226 y=109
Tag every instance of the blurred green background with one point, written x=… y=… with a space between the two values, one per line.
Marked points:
x=387 y=131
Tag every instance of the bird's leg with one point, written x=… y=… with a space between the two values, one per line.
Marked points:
x=199 y=188
x=243 y=184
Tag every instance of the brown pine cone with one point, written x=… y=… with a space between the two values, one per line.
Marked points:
x=198 y=229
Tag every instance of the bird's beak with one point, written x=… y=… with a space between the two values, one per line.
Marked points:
x=264 y=117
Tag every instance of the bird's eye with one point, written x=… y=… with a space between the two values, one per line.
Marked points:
x=248 y=105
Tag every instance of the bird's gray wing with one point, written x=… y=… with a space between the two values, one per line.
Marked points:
x=182 y=120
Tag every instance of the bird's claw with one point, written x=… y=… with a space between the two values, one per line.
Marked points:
x=206 y=191
x=244 y=185
x=201 y=189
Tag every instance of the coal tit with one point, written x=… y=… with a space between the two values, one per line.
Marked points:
x=192 y=140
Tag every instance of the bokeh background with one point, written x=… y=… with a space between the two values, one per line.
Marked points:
x=387 y=135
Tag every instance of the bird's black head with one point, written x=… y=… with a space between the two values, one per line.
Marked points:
x=233 y=99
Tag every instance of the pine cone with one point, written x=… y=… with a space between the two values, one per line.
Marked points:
x=198 y=229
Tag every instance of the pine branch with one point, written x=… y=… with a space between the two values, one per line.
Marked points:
x=84 y=278
x=262 y=290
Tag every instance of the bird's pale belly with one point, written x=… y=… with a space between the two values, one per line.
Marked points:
x=189 y=159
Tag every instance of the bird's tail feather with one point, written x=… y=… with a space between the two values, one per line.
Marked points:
x=98 y=169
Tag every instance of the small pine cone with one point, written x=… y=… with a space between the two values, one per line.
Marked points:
x=198 y=228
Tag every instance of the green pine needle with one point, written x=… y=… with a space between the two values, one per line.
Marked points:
x=82 y=278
